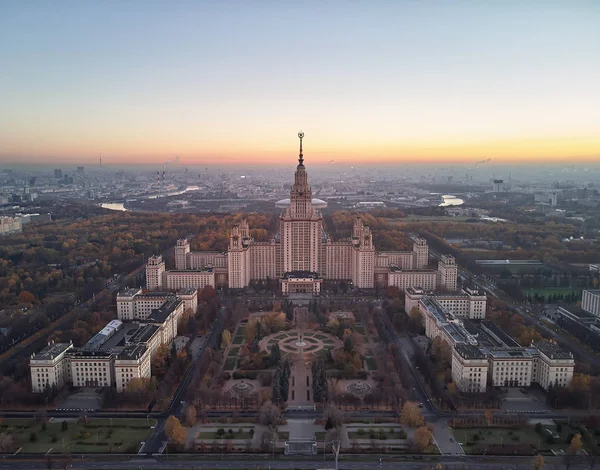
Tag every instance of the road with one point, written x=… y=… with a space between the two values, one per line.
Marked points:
x=156 y=442
x=355 y=462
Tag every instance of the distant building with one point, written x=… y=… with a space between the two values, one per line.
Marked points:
x=301 y=255
x=498 y=186
x=590 y=302
x=10 y=225
x=58 y=173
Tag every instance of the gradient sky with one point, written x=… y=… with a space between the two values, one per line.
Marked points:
x=225 y=81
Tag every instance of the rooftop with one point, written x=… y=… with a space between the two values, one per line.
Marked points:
x=187 y=291
x=156 y=294
x=301 y=275
x=133 y=352
x=489 y=328
x=51 y=351
x=395 y=269
x=143 y=334
x=553 y=351
x=468 y=351
x=129 y=292
x=159 y=315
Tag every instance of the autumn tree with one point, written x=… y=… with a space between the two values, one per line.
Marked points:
x=225 y=339
x=269 y=415
x=190 y=415
x=26 y=297
x=538 y=462
x=576 y=444
x=175 y=431
x=423 y=438
x=411 y=415
x=489 y=416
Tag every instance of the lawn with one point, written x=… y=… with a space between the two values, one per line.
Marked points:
x=359 y=329
x=370 y=433
x=238 y=340
x=213 y=436
x=504 y=436
x=547 y=291
x=233 y=352
x=229 y=363
x=97 y=436
x=371 y=364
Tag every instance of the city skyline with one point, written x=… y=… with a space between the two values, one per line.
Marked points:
x=368 y=83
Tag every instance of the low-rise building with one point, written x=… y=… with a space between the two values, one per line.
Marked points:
x=134 y=304
x=132 y=363
x=50 y=368
x=590 y=302
x=482 y=351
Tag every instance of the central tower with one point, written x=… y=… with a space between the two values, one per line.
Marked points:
x=301 y=225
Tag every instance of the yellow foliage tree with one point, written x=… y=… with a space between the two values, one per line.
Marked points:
x=225 y=339
x=423 y=438
x=576 y=444
x=411 y=415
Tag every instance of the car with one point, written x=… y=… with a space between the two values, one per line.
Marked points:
x=420 y=405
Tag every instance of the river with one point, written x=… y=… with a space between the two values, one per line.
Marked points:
x=120 y=206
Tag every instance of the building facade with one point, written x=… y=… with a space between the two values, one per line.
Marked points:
x=302 y=249
x=484 y=354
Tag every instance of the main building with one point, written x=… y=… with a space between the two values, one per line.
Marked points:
x=301 y=255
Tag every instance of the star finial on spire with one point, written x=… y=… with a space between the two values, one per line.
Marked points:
x=300 y=157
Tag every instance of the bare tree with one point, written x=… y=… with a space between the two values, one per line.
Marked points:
x=334 y=439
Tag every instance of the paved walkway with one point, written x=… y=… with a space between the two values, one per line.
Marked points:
x=300 y=392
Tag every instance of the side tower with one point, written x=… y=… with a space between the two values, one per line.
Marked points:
x=155 y=269
x=448 y=273
x=420 y=253
x=181 y=251
x=363 y=263
x=238 y=259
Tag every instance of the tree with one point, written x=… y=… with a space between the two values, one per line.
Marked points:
x=411 y=415
x=190 y=415
x=538 y=462
x=576 y=444
x=489 y=416
x=269 y=415
x=225 y=339
x=333 y=439
x=423 y=438
x=26 y=297
x=275 y=353
x=276 y=386
x=175 y=431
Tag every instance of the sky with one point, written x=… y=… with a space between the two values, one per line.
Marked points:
x=367 y=81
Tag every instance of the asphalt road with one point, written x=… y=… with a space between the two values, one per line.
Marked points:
x=365 y=463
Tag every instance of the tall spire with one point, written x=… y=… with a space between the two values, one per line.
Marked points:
x=300 y=157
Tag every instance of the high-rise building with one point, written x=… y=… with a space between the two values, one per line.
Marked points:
x=301 y=255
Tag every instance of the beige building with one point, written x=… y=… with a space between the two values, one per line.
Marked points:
x=468 y=303
x=469 y=368
x=134 y=304
x=92 y=368
x=132 y=363
x=50 y=368
x=302 y=250
x=482 y=352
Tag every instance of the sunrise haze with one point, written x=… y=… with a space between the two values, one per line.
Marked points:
x=219 y=82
